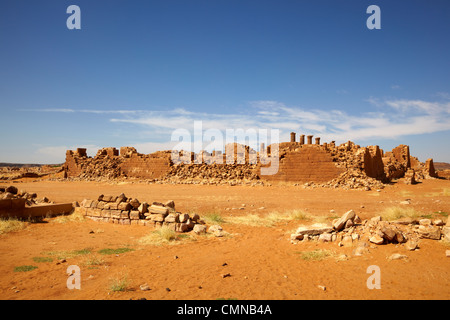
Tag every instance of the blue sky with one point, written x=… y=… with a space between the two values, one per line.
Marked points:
x=138 y=70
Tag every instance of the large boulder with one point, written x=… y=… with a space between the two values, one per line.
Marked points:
x=340 y=223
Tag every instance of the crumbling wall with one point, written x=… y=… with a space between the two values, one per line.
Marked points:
x=307 y=163
x=151 y=166
x=347 y=165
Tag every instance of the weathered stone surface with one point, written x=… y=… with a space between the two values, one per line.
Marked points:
x=135 y=203
x=124 y=206
x=430 y=232
x=156 y=209
x=325 y=237
x=157 y=217
x=376 y=239
x=388 y=233
x=446 y=233
x=172 y=218
x=397 y=256
x=340 y=223
x=181 y=227
x=199 y=229
x=425 y=222
x=183 y=217
x=216 y=230
x=134 y=215
x=143 y=208
x=12 y=189
x=170 y=204
x=314 y=229
x=411 y=245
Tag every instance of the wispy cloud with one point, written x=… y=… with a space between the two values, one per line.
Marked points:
x=392 y=119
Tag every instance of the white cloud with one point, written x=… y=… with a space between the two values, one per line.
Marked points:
x=399 y=118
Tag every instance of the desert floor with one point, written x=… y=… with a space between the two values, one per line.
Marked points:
x=260 y=261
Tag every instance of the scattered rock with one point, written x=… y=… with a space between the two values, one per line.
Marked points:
x=411 y=245
x=144 y=287
x=199 y=229
x=397 y=256
x=340 y=223
x=376 y=239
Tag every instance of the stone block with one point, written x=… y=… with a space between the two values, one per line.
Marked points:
x=156 y=209
x=134 y=215
x=124 y=206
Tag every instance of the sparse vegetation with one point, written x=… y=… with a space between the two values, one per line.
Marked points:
x=213 y=218
x=11 y=224
x=94 y=260
x=42 y=259
x=316 y=255
x=395 y=213
x=108 y=251
x=119 y=284
x=67 y=254
x=163 y=235
x=24 y=268
x=73 y=217
x=270 y=219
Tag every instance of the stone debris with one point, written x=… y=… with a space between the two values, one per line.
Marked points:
x=350 y=230
x=128 y=211
x=31 y=199
x=347 y=166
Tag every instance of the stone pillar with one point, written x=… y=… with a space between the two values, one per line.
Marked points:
x=302 y=139
x=325 y=145
x=309 y=139
x=261 y=147
x=318 y=141
x=292 y=136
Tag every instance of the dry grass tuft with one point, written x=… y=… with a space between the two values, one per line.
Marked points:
x=163 y=235
x=270 y=219
x=316 y=255
x=73 y=217
x=395 y=213
x=11 y=224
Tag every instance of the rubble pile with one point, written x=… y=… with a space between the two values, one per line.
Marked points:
x=31 y=199
x=349 y=230
x=212 y=173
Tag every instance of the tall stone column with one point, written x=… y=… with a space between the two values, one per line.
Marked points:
x=309 y=137
x=292 y=136
x=318 y=141
x=302 y=139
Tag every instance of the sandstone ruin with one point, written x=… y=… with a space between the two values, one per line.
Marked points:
x=129 y=211
x=26 y=205
x=349 y=230
x=315 y=164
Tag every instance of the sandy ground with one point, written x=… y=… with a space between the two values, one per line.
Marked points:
x=261 y=261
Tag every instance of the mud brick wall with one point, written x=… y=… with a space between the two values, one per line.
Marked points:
x=72 y=165
x=373 y=163
x=146 y=167
x=309 y=163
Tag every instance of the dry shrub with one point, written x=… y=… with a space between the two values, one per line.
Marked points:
x=11 y=224
x=395 y=213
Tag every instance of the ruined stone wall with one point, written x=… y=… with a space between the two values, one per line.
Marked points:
x=347 y=165
x=307 y=163
x=146 y=166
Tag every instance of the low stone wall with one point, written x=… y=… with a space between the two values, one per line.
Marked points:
x=24 y=205
x=128 y=211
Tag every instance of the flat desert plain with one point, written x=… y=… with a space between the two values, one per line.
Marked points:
x=254 y=260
